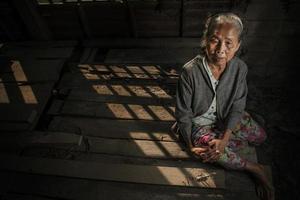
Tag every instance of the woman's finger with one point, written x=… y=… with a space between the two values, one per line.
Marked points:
x=198 y=150
x=212 y=156
x=215 y=157
x=212 y=143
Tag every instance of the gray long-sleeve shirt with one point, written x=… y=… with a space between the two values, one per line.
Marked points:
x=195 y=94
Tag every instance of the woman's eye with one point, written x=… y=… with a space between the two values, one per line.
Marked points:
x=214 y=40
x=229 y=44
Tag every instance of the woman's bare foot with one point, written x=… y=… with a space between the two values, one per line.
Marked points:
x=264 y=187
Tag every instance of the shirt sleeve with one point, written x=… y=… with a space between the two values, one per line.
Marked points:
x=238 y=107
x=183 y=111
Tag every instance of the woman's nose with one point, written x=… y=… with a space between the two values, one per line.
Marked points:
x=220 y=49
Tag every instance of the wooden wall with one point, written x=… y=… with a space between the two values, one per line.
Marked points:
x=130 y=18
x=11 y=25
x=272 y=26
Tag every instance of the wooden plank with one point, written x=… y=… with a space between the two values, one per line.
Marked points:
x=55 y=107
x=106 y=68
x=17 y=113
x=119 y=111
x=187 y=177
x=14 y=126
x=88 y=75
x=25 y=196
x=55 y=187
x=149 y=55
x=34 y=71
x=159 y=42
x=20 y=51
x=76 y=81
x=22 y=98
x=138 y=148
x=122 y=129
x=147 y=149
x=151 y=149
x=40 y=138
x=28 y=95
x=45 y=44
x=139 y=97
x=87 y=156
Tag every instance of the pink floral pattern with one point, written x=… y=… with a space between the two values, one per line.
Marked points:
x=247 y=131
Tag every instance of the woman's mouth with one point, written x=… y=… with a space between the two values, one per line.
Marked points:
x=219 y=58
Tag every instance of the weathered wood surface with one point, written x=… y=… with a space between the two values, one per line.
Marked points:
x=118 y=111
x=55 y=187
x=125 y=173
x=146 y=98
x=92 y=75
x=40 y=138
x=31 y=71
x=122 y=129
x=24 y=105
x=137 y=148
x=27 y=86
x=150 y=55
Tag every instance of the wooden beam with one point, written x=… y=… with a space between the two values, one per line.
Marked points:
x=159 y=175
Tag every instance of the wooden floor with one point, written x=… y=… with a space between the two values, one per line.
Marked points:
x=104 y=133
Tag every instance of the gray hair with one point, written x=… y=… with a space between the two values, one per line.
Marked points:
x=221 y=18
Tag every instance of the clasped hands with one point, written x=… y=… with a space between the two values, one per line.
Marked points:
x=211 y=152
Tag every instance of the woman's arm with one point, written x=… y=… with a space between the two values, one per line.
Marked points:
x=183 y=111
x=239 y=104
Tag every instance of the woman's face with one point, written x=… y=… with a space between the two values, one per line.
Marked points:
x=222 y=44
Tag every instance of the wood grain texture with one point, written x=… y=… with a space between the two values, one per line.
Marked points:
x=124 y=173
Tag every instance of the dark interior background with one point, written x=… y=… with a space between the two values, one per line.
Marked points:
x=271 y=48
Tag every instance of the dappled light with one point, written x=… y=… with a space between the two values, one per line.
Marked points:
x=119 y=110
x=158 y=92
x=139 y=91
x=146 y=91
x=20 y=81
x=3 y=94
x=162 y=113
x=102 y=90
x=140 y=112
x=120 y=90
x=26 y=90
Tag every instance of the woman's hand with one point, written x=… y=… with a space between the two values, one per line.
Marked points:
x=199 y=151
x=216 y=149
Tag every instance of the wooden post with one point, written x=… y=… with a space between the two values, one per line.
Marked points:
x=132 y=19
x=36 y=26
x=84 y=21
x=181 y=18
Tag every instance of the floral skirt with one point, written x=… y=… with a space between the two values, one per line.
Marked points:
x=247 y=131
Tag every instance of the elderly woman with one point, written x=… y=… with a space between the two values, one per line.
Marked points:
x=211 y=99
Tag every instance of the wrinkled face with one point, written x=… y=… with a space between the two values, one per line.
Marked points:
x=222 y=44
